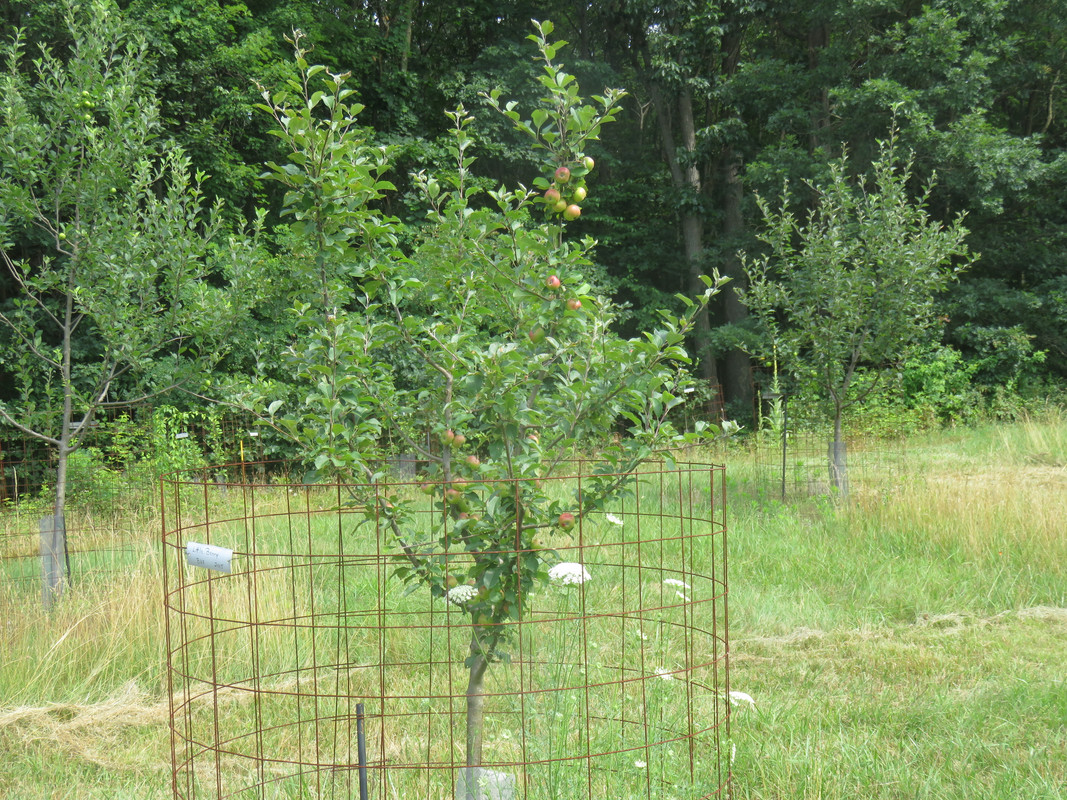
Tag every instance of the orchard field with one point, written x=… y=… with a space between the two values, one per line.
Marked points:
x=906 y=644
x=490 y=242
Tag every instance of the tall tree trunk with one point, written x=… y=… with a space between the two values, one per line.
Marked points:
x=409 y=24
x=737 y=384
x=686 y=178
x=818 y=39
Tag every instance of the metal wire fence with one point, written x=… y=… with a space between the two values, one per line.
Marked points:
x=300 y=665
x=112 y=511
x=804 y=464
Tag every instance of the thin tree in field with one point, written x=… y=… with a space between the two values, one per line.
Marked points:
x=852 y=283
x=120 y=272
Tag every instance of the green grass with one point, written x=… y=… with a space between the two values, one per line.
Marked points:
x=910 y=645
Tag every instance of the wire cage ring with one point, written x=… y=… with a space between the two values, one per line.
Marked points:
x=300 y=665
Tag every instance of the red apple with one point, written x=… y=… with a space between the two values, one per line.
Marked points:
x=537 y=335
x=458 y=439
x=553 y=282
x=473 y=460
x=571 y=212
x=574 y=304
x=448 y=437
x=552 y=196
x=566 y=520
x=563 y=175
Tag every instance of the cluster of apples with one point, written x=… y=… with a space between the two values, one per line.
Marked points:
x=537 y=335
x=88 y=105
x=568 y=190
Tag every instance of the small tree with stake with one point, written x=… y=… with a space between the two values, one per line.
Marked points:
x=515 y=356
x=854 y=283
x=120 y=271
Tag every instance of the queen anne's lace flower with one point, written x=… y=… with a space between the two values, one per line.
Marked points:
x=675 y=582
x=461 y=595
x=737 y=698
x=613 y=519
x=568 y=573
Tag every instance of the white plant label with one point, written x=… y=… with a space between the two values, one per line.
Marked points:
x=208 y=556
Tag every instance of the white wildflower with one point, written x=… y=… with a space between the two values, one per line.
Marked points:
x=684 y=597
x=613 y=519
x=568 y=573
x=640 y=764
x=664 y=674
x=675 y=582
x=737 y=698
x=461 y=595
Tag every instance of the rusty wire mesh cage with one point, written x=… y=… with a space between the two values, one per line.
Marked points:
x=310 y=649
x=111 y=513
x=770 y=468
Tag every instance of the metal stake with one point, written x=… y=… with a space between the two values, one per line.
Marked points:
x=361 y=744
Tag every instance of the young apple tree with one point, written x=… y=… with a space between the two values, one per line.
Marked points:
x=853 y=284
x=118 y=271
x=512 y=358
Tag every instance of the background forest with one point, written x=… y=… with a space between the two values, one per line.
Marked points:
x=727 y=101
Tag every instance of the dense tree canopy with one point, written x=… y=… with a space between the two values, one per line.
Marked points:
x=727 y=99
